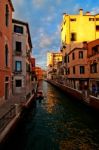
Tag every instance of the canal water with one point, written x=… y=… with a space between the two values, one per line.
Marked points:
x=56 y=123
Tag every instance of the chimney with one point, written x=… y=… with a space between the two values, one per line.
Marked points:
x=87 y=13
x=81 y=12
x=64 y=14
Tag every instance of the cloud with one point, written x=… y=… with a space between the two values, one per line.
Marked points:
x=18 y=2
x=48 y=19
x=45 y=42
x=76 y=7
x=95 y=10
x=17 y=5
x=38 y=3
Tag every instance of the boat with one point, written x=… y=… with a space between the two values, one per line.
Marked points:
x=39 y=94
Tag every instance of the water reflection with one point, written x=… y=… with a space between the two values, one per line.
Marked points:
x=57 y=123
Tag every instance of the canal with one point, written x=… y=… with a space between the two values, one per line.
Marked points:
x=56 y=123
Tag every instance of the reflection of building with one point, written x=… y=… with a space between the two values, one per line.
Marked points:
x=39 y=73
x=21 y=57
x=6 y=9
x=93 y=62
x=52 y=59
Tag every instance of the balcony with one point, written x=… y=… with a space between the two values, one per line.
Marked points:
x=17 y=72
x=18 y=53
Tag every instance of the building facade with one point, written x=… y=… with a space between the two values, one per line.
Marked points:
x=6 y=9
x=52 y=60
x=77 y=69
x=93 y=62
x=78 y=32
x=22 y=48
x=79 y=28
x=39 y=73
x=34 y=78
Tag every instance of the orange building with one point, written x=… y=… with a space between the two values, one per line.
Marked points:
x=93 y=62
x=39 y=73
x=6 y=9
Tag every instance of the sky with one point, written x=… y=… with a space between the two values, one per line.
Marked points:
x=44 y=18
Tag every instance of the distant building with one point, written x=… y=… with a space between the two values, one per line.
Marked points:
x=39 y=73
x=52 y=59
x=6 y=9
x=22 y=48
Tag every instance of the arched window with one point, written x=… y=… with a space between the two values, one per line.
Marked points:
x=7 y=15
x=6 y=55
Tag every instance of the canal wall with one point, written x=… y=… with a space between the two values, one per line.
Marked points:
x=12 y=123
x=90 y=100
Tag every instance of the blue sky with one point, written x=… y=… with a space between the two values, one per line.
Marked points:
x=44 y=18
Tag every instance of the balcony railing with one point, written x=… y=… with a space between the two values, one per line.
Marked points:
x=18 y=53
x=18 y=71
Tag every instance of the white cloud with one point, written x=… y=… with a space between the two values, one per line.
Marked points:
x=76 y=8
x=48 y=19
x=58 y=1
x=45 y=41
x=38 y=3
x=17 y=2
x=95 y=10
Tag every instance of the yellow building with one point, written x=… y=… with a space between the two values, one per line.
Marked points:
x=80 y=27
x=53 y=58
x=52 y=61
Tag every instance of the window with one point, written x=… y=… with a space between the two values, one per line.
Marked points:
x=73 y=19
x=18 y=29
x=6 y=79
x=64 y=22
x=6 y=55
x=18 y=83
x=6 y=15
x=97 y=28
x=73 y=56
x=73 y=69
x=65 y=58
x=27 y=67
x=18 y=46
x=18 y=66
x=82 y=70
x=68 y=71
x=73 y=36
x=81 y=54
x=93 y=68
x=68 y=58
x=95 y=50
x=61 y=29
x=97 y=19
x=91 y=19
